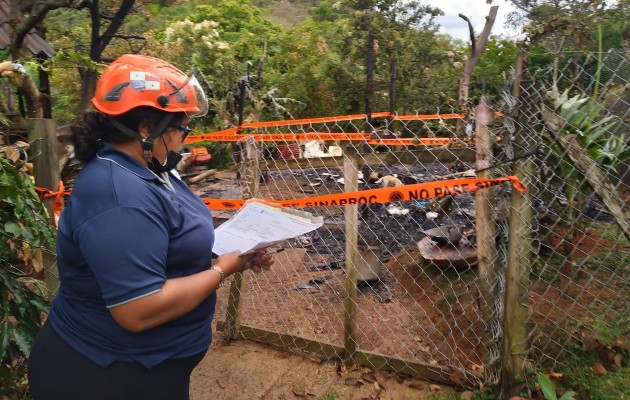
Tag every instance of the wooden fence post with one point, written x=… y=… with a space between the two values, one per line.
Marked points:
x=251 y=183
x=485 y=226
x=351 y=213
x=519 y=251
x=44 y=150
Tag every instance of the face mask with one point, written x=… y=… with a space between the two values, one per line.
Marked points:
x=172 y=159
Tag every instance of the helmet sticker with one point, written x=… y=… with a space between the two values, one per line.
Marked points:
x=144 y=81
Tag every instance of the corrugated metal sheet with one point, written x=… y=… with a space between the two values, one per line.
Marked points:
x=32 y=41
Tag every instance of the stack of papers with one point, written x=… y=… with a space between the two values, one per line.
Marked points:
x=258 y=225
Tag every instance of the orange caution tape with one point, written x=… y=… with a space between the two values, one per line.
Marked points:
x=306 y=137
x=415 y=141
x=427 y=117
x=57 y=204
x=279 y=137
x=224 y=135
x=309 y=121
x=418 y=191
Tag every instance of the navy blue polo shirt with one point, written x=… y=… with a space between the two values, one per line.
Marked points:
x=122 y=234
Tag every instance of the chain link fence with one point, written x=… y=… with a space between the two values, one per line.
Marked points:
x=575 y=123
x=434 y=284
x=424 y=303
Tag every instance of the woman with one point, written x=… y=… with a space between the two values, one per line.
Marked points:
x=137 y=290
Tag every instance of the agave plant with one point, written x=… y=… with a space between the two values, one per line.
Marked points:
x=584 y=118
x=599 y=135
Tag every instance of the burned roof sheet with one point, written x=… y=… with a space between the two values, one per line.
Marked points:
x=32 y=41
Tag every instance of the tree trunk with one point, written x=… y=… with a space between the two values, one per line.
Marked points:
x=477 y=49
x=88 y=88
x=32 y=98
x=369 y=83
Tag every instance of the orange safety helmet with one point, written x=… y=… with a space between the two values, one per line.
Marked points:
x=135 y=80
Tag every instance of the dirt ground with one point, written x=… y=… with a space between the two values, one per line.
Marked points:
x=249 y=370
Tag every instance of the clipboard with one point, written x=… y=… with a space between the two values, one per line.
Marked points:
x=258 y=225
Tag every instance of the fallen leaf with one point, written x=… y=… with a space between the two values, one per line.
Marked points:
x=435 y=388
x=354 y=382
x=556 y=376
x=373 y=396
x=415 y=384
x=599 y=369
x=370 y=377
x=618 y=358
x=342 y=370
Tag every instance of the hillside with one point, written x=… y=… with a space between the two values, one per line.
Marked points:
x=286 y=13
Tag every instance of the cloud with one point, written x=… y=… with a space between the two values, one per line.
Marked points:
x=476 y=11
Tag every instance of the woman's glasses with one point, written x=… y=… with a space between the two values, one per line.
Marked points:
x=184 y=129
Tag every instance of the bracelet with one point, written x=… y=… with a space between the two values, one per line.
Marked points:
x=221 y=274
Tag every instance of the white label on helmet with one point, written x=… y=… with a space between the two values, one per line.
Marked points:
x=152 y=85
x=136 y=76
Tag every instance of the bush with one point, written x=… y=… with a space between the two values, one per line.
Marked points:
x=25 y=231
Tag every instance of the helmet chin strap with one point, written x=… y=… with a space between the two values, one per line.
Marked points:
x=147 y=144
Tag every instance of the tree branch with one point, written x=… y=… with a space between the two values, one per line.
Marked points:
x=37 y=12
x=116 y=23
x=471 y=31
x=128 y=39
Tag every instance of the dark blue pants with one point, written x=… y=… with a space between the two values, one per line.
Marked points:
x=58 y=372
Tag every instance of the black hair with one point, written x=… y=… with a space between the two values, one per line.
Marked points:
x=97 y=128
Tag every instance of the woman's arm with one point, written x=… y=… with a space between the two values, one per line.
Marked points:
x=180 y=296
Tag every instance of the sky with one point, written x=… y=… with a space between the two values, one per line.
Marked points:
x=476 y=11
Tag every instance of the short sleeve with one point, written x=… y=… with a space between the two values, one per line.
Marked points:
x=126 y=249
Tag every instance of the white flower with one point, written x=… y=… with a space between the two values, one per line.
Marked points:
x=221 y=45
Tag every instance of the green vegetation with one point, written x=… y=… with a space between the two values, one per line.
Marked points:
x=442 y=396
x=25 y=231
x=329 y=396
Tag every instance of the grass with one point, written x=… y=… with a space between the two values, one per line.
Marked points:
x=615 y=385
x=578 y=374
x=612 y=386
x=442 y=396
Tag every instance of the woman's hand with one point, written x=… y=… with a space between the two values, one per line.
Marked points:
x=260 y=261
x=232 y=262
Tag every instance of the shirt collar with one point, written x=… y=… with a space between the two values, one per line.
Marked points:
x=124 y=160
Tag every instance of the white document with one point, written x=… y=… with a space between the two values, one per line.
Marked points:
x=258 y=225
